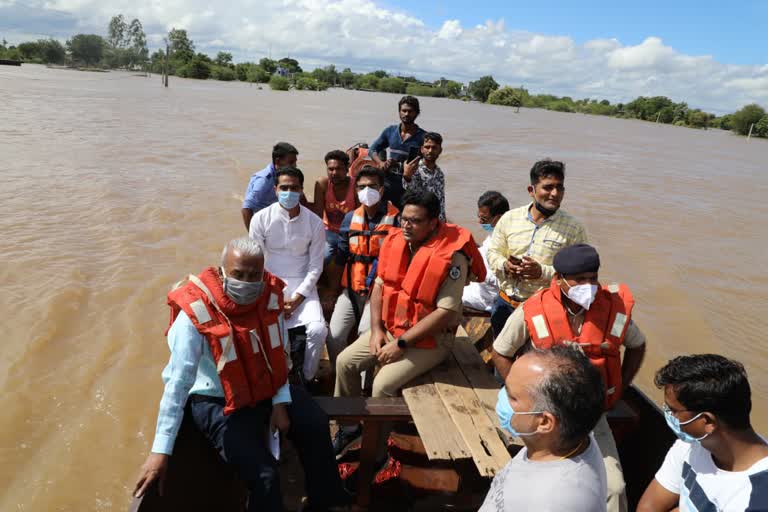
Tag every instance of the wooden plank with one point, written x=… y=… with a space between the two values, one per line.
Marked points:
x=441 y=439
x=469 y=416
x=360 y=408
x=371 y=435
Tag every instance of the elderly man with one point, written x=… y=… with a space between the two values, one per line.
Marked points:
x=551 y=400
x=719 y=462
x=576 y=310
x=527 y=238
x=228 y=363
x=293 y=238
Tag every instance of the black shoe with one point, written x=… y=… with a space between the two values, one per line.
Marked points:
x=342 y=441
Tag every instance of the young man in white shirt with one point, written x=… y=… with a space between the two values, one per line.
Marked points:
x=293 y=238
x=719 y=462
x=551 y=400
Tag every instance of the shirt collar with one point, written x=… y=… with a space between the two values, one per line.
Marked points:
x=546 y=219
x=427 y=170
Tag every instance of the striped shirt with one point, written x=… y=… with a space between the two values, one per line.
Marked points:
x=516 y=234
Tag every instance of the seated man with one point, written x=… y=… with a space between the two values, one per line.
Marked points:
x=415 y=304
x=575 y=309
x=261 y=187
x=227 y=339
x=551 y=400
x=480 y=296
x=334 y=198
x=361 y=235
x=719 y=461
x=293 y=239
x=423 y=173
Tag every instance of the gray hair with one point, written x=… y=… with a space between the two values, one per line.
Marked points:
x=572 y=390
x=244 y=245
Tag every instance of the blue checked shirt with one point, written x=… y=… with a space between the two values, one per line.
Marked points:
x=191 y=369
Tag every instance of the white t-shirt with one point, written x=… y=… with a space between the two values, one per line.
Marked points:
x=689 y=471
x=480 y=296
x=577 y=484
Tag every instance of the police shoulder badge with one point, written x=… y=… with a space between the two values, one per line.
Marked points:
x=455 y=272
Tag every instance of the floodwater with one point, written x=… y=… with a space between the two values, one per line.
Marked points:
x=113 y=188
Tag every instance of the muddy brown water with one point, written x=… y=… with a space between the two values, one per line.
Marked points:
x=112 y=188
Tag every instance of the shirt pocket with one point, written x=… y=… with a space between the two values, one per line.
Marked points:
x=554 y=243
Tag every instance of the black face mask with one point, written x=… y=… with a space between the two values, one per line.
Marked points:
x=544 y=210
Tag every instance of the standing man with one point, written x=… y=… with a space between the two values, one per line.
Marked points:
x=294 y=241
x=719 y=461
x=576 y=310
x=361 y=235
x=423 y=173
x=228 y=360
x=403 y=142
x=480 y=296
x=551 y=400
x=334 y=198
x=527 y=238
x=261 y=188
x=415 y=304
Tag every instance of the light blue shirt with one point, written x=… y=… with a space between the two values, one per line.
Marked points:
x=191 y=369
x=261 y=190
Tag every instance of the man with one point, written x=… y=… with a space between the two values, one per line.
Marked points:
x=551 y=400
x=334 y=198
x=423 y=173
x=415 y=304
x=227 y=339
x=294 y=241
x=403 y=142
x=480 y=296
x=576 y=310
x=261 y=188
x=361 y=235
x=527 y=238
x=719 y=461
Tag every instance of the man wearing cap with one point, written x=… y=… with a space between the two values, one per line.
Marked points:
x=576 y=310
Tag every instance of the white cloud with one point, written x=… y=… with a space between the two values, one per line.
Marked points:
x=365 y=36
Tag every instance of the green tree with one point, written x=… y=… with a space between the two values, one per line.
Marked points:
x=482 y=88
x=346 y=78
x=117 y=32
x=507 y=96
x=697 y=119
x=290 y=65
x=137 y=52
x=279 y=83
x=223 y=59
x=182 y=47
x=224 y=73
x=198 y=67
x=392 y=84
x=86 y=48
x=308 y=83
x=366 y=82
x=451 y=87
x=380 y=73
x=761 y=127
x=258 y=74
x=29 y=51
x=52 y=51
x=268 y=65
x=742 y=119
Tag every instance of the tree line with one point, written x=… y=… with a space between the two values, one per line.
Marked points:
x=125 y=46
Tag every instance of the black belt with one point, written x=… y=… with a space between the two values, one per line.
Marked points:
x=195 y=398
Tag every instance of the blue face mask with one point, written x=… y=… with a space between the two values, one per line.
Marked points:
x=288 y=199
x=487 y=227
x=505 y=413
x=675 y=425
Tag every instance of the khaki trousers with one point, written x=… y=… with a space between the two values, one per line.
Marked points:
x=392 y=377
x=617 y=498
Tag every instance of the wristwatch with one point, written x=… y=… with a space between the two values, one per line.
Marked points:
x=402 y=344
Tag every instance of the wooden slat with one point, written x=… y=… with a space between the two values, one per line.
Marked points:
x=469 y=417
x=439 y=435
x=359 y=408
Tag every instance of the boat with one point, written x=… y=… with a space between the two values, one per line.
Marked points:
x=195 y=470
x=8 y=62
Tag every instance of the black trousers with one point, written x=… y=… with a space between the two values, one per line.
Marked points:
x=500 y=312
x=240 y=439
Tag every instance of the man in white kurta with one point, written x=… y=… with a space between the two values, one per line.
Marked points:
x=293 y=238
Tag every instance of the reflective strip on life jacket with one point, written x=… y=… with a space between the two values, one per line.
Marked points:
x=541 y=326
x=201 y=312
x=255 y=341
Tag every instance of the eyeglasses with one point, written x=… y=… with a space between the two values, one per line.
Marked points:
x=411 y=221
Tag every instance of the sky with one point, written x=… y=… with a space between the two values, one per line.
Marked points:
x=713 y=55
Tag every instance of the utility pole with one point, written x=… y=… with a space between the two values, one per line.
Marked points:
x=165 y=67
x=750 y=131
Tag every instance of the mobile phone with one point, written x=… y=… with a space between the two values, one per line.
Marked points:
x=413 y=152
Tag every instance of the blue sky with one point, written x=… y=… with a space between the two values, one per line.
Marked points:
x=731 y=31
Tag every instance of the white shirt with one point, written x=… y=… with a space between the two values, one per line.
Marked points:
x=480 y=296
x=577 y=484
x=293 y=251
x=689 y=471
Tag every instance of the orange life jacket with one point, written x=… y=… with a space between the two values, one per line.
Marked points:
x=246 y=341
x=601 y=336
x=411 y=284
x=364 y=246
x=335 y=210
x=359 y=156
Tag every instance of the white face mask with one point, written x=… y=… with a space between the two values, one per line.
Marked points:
x=582 y=294
x=369 y=196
